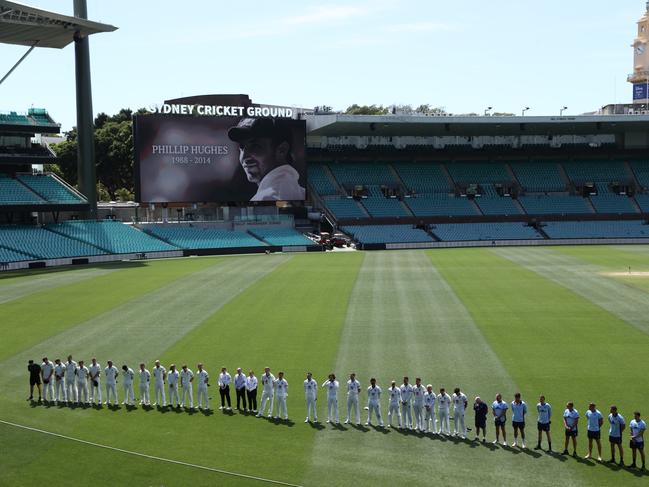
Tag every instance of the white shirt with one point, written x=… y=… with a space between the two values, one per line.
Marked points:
x=459 y=402
x=203 y=378
x=129 y=375
x=172 y=377
x=59 y=370
x=224 y=380
x=310 y=389
x=95 y=371
x=82 y=374
x=159 y=374
x=373 y=395
x=444 y=402
x=267 y=382
x=185 y=377
x=47 y=369
x=395 y=395
x=251 y=383
x=429 y=400
x=111 y=374
x=636 y=427
x=145 y=377
x=282 y=387
x=406 y=392
x=353 y=388
x=419 y=392
x=282 y=183
x=332 y=388
x=70 y=369
x=571 y=417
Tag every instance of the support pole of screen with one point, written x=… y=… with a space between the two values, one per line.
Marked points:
x=22 y=58
x=87 y=177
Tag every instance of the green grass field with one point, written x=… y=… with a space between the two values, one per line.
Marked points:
x=567 y=322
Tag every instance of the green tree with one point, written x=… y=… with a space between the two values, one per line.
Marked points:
x=366 y=110
x=113 y=151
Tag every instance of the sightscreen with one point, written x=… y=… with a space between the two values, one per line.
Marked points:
x=191 y=159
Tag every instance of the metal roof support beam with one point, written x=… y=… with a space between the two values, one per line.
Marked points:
x=18 y=63
x=87 y=177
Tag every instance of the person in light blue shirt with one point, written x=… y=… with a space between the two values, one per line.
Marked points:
x=595 y=421
x=499 y=410
x=519 y=411
x=637 y=427
x=617 y=425
x=544 y=411
x=571 y=425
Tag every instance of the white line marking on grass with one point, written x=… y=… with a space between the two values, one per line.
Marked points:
x=151 y=457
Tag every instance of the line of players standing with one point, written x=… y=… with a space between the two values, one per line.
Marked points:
x=77 y=383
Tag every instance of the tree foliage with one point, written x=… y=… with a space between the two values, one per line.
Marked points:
x=113 y=151
x=366 y=110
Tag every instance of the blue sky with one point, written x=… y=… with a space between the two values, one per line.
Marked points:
x=463 y=55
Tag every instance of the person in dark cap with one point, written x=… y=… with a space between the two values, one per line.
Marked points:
x=265 y=156
x=34 y=379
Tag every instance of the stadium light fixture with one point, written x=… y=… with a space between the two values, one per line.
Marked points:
x=524 y=110
x=487 y=110
x=563 y=109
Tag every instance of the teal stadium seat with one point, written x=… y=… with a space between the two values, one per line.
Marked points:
x=423 y=177
x=539 y=176
x=12 y=192
x=596 y=171
x=50 y=189
x=362 y=173
x=320 y=181
x=43 y=244
x=343 y=207
x=643 y=202
x=7 y=255
x=378 y=234
x=438 y=204
x=554 y=205
x=113 y=236
x=196 y=237
x=283 y=236
x=597 y=229
x=641 y=171
x=464 y=232
x=466 y=172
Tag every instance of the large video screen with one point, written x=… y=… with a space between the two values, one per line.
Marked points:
x=185 y=159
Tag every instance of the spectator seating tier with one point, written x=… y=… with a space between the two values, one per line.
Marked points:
x=49 y=188
x=423 y=177
x=478 y=172
x=280 y=236
x=554 y=205
x=459 y=232
x=539 y=177
x=190 y=237
x=441 y=205
x=43 y=244
x=597 y=229
x=377 y=234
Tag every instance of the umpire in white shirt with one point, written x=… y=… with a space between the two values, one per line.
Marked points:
x=240 y=389
x=224 y=388
x=251 y=392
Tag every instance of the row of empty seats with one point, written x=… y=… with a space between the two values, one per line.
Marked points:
x=280 y=236
x=597 y=229
x=378 y=234
x=485 y=231
x=35 y=189
x=191 y=237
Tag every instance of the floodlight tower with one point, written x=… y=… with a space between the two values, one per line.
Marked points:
x=87 y=173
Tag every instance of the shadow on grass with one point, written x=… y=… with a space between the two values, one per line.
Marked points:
x=316 y=425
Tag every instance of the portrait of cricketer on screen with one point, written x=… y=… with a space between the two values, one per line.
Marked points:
x=265 y=154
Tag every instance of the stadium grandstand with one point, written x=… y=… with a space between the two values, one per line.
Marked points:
x=385 y=181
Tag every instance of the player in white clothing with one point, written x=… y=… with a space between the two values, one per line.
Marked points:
x=59 y=378
x=111 y=374
x=129 y=394
x=311 y=397
x=406 y=399
x=332 y=385
x=145 y=379
x=47 y=375
x=82 y=382
x=353 y=390
x=443 y=407
x=460 y=403
x=374 y=402
x=281 y=393
x=95 y=381
x=418 y=392
x=394 y=397
x=173 y=379
x=430 y=420
x=186 y=379
x=70 y=382
x=203 y=379
x=267 y=393
x=159 y=376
